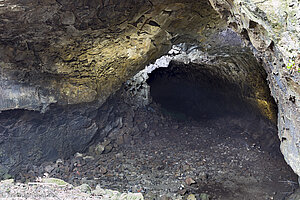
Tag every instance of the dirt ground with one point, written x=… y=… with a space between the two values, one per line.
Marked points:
x=172 y=156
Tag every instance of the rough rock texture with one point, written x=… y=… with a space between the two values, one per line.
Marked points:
x=71 y=52
x=231 y=64
x=273 y=28
x=80 y=51
x=30 y=137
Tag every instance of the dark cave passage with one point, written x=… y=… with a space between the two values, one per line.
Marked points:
x=212 y=115
x=199 y=93
x=188 y=92
x=201 y=125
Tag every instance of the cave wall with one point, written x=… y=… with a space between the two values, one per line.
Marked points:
x=272 y=28
x=78 y=52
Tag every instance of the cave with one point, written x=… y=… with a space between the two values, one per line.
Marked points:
x=202 y=109
x=149 y=99
x=199 y=94
x=191 y=124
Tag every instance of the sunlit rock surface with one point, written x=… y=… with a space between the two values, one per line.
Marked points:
x=83 y=51
x=76 y=52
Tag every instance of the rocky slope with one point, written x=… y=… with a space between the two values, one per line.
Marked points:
x=166 y=154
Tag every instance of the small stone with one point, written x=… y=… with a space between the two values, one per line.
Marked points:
x=88 y=158
x=55 y=181
x=78 y=155
x=7 y=176
x=175 y=127
x=120 y=140
x=59 y=161
x=108 y=148
x=190 y=181
x=164 y=197
x=191 y=197
x=152 y=133
x=98 y=191
x=103 y=170
x=49 y=168
x=150 y=195
x=46 y=175
x=131 y=196
x=84 y=188
x=99 y=149
x=127 y=138
x=106 y=142
x=68 y=18
x=182 y=191
x=119 y=155
x=185 y=167
x=7 y=181
x=203 y=176
x=204 y=196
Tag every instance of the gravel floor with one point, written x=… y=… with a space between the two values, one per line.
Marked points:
x=170 y=158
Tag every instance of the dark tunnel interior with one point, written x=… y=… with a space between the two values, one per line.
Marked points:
x=197 y=92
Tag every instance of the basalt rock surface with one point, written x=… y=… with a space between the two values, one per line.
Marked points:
x=72 y=52
x=273 y=27
x=75 y=54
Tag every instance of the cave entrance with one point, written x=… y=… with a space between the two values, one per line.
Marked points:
x=210 y=132
x=195 y=91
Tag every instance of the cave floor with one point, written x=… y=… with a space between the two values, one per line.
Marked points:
x=172 y=158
